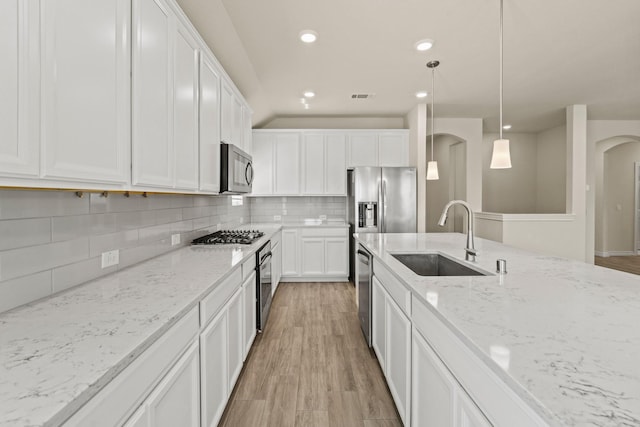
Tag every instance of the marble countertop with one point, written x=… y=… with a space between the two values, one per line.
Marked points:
x=57 y=353
x=570 y=329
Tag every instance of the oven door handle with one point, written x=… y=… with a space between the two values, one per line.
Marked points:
x=265 y=258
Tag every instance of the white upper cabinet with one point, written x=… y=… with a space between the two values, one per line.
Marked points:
x=185 y=108
x=209 y=125
x=393 y=149
x=363 y=149
x=235 y=118
x=324 y=168
x=85 y=90
x=226 y=113
x=287 y=164
x=378 y=148
x=153 y=25
x=247 y=134
x=263 y=164
x=19 y=86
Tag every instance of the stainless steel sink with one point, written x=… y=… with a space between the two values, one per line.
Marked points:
x=436 y=265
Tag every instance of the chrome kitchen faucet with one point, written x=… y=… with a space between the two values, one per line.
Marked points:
x=470 y=250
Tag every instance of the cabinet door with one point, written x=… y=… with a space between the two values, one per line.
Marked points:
x=185 y=109
x=335 y=256
x=393 y=149
x=363 y=149
x=398 y=344
x=19 y=103
x=263 y=163
x=249 y=324
x=152 y=123
x=85 y=90
x=214 y=383
x=276 y=267
x=335 y=165
x=209 y=125
x=313 y=164
x=226 y=112
x=433 y=387
x=312 y=250
x=176 y=400
x=378 y=317
x=236 y=130
x=290 y=252
x=236 y=346
x=287 y=164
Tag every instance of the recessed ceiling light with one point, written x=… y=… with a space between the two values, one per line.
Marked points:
x=424 y=45
x=309 y=94
x=308 y=36
x=506 y=127
x=421 y=94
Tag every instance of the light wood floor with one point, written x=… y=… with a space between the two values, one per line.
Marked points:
x=311 y=366
x=630 y=264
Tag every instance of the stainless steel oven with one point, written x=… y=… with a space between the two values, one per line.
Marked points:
x=263 y=285
x=236 y=170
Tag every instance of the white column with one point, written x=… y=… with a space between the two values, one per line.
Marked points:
x=417 y=123
x=577 y=173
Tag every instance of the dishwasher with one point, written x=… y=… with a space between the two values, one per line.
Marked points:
x=363 y=282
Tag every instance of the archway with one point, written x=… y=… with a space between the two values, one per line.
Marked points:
x=614 y=195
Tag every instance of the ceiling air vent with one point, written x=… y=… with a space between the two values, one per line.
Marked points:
x=362 y=95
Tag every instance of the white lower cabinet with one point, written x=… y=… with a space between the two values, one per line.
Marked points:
x=249 y=323
x=214 y=387
x=176 y=400
x=437 y=398
x=323 y=254
x=236 y=342
x=391 y=340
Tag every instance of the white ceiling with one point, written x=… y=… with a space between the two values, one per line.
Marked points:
x=556 y=53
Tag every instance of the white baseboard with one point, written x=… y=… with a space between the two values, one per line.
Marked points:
x=607 y=254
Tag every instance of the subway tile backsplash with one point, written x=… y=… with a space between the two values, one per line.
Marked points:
x=297 y=209
x=53 y=240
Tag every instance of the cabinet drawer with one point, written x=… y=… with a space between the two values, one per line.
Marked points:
x=117 y=401
x=400 y=294
x=212 y=303
x=323 y=232
x=248 y=267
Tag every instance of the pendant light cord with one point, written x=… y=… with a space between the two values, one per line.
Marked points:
x=501 y=1
x=433 y=101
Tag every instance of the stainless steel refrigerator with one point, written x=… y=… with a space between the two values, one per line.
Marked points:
x=379 y=200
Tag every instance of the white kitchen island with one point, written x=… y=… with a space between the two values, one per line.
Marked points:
x=559 y=338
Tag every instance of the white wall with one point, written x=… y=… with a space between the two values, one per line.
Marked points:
x=551 y=179
x=335 y=123
x=511 y=190
x=619 y=200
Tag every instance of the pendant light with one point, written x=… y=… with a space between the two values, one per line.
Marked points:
x=432 y=166
x=501 y=157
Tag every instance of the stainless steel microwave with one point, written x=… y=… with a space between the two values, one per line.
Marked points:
x=236 y=170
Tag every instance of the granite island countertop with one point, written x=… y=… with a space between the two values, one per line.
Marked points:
x=571 y=329
x=57 y=353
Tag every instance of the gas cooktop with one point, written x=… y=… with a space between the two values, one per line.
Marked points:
x=244 y=237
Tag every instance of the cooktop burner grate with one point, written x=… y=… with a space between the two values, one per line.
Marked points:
x=243 y=237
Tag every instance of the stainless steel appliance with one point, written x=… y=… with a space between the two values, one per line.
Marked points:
x=263 y=285
x=243 y=237
x=236 y=170
x=365 y=274
x=380 y=200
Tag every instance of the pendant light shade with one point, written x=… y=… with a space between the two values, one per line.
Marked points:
x=432 y=166
x=432 y=171
x=501 y=157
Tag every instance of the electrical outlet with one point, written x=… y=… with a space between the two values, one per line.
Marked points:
x=323 y=217
x=110 y=258
x=175 y=239
x=277 y=218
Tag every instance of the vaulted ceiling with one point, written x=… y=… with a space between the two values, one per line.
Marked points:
x=556 y=53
